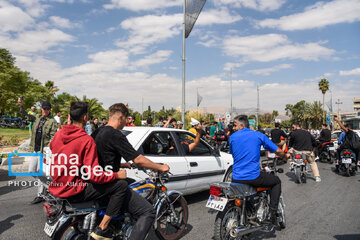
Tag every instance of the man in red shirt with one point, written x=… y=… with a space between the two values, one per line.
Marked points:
x=76 y=173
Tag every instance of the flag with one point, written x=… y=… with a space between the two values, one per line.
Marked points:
x=192 y=12
x=329 y=105
x=199 y=98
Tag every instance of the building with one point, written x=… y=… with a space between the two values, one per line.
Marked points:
x=352 y=117
x=356 y=102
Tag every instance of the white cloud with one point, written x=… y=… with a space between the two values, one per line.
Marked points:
x=155 y=58
x=228 y=66
x=355 y=71
x=270 y=47
x=151 y=29
x=106 y=61
x=142 y=5
x=217 y=16
x=316 y=16
x=35 y=41
x=62 y=22
x=267 y=71
x=13 y=18
x=260 y=5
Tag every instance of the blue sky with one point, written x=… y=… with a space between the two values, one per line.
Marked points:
x=126 y=50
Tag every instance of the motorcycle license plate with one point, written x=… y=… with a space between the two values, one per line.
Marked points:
x=332 y=148
x=346 y=160
x=49 y=229
x=216 y=203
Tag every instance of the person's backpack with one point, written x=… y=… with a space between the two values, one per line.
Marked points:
x=352 y=140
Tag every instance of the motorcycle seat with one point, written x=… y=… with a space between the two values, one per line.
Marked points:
x=327 y=143
x=238 y=189
x=83 y=206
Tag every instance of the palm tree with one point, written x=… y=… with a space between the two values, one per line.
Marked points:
x=51 y=89
x=324 y=87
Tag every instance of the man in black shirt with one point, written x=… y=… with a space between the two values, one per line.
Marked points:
x=112 y=146
x=325 y=136
x=302 y=141
x=276 y=135
x=349 y=137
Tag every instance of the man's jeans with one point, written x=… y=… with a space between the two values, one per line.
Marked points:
x=34 y=166
x=133 y=203
x=310 y=157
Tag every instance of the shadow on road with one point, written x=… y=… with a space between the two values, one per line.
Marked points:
x=152 y=235
x=4 y=175
x=347 y=237
x=197 y=197
x=7 y=223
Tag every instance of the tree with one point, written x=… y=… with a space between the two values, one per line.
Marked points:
x=324 y=87
x=51 y=89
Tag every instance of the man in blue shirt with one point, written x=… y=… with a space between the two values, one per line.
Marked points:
x=245 y=145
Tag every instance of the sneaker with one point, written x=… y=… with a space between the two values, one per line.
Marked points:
x=317 y=158
x=291 y=167
x=317 y=179
x=99 y=234
x=37 y=200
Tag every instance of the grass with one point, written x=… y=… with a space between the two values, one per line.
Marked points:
x=20 y=133
x=12 y=136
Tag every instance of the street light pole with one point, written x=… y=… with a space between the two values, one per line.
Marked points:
x=183 y=71
x=258 y=106
x=231 y=104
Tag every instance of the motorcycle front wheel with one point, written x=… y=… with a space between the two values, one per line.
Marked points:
x=229 y=218
x=281 y=213
x=298 y=175
x=172 y=224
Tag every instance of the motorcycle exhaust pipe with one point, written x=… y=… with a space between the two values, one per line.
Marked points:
x=240 y=231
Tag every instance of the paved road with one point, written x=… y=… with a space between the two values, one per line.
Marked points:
x=316 y=211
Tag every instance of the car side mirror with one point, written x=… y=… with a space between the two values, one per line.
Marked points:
x=216 y=152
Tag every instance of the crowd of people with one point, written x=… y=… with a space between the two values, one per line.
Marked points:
x=101 y=144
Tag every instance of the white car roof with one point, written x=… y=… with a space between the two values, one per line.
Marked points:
x=138 y=133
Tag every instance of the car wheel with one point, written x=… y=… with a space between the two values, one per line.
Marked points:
x=228 y=175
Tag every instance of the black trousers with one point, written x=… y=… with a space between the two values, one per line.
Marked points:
x=121 y=198
x=266 y=180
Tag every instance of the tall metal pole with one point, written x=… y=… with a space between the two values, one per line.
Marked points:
x=231 y=105
x=183 y=71
x=338 y=103
x=142 y=108
x=258 y=106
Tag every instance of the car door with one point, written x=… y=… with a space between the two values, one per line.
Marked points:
x=156 y=147
x=204 y=167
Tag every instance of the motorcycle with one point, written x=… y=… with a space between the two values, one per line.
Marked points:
x=327 y=152
x=220 y=141
x=347 y=163
x=300 y=167
x=242 y=209
x=75 y=221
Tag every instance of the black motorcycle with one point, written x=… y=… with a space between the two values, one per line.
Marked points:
x=243 y=209
x=347 y=163
x=327 y=153
x=76 y=221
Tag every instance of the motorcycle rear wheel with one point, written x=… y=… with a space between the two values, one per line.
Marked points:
x=229 y=216
x=167 y=228
x=298 y=175
x=70 y=231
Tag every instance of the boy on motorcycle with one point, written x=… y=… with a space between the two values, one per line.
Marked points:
x=76 y=173
x=112 y=146
x=245 y=147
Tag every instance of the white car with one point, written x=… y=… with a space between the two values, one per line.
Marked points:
x=191 y=172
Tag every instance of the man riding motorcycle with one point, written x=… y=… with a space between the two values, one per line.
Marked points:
x=76 y=173
x=324 y=137
x=112 y=146
x=302 y=141
x=245 y=147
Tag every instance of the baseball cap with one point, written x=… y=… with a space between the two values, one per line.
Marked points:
x=194 y=122
x=179 y=122
x=46 y=104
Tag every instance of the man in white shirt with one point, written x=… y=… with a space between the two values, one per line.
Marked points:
x=58 y=120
